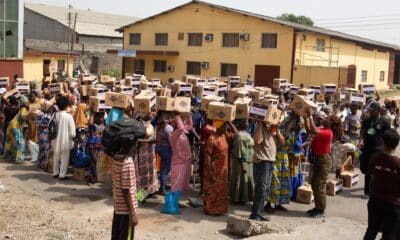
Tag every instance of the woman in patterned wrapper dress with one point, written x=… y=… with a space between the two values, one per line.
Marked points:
x=43 y=135
x=145 y=159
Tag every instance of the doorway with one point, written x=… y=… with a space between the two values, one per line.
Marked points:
x=264 y=75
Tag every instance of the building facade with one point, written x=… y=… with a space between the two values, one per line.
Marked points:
x=210 y=40
x=11 y=38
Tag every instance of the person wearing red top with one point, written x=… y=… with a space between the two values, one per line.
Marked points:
x=322 y=139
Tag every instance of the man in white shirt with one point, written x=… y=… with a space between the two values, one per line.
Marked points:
x=63 y=143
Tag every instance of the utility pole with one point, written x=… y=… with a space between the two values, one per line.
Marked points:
x=69 y=37
x=73 y=32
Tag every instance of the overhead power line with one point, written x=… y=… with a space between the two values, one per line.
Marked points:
x=362 y=25
x=350 y=18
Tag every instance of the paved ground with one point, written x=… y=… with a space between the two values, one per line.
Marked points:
x=35 y=206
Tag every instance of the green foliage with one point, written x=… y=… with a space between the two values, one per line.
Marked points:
x=290 y=17
x=113 y=72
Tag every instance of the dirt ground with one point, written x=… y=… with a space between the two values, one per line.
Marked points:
x=35 y=206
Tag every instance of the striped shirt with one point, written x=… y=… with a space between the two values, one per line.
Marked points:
x=123 y=177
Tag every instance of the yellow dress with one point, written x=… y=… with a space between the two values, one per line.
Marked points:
x=15 y=143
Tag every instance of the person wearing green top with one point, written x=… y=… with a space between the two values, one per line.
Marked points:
x=241 y=179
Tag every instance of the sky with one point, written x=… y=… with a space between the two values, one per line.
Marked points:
x=378 y=20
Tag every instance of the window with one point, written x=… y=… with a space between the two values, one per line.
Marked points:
x=46 y=68
x=320 y=45
x=228 y=69
x=134 y=38
x=193 y=68
x=269 y=40
x=364 y=74
x=8 y=28
x=230 y=40
x=139 y=66
x=195 y=39
x=61 y=65
x=381 y=76
x=161 y=39
x=160 y=66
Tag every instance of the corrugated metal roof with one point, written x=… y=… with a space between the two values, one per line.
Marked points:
x=296 y=26
x=88 y=22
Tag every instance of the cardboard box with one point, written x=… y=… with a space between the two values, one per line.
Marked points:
x=148 y=85
x=79 y=174
x=23 y=87
x=294 y=90
x=118 y=100
x=163 y=92
x=196 y=81
x=265 y=90
x=350 y=179
x=98 y=92
x=317 y=89
x=84 y=90
x=205 y=101
x=182 y=87
x=165 y=103
x=339 y=97
x=236 y=93
x=365 y=88
x=255 y=94
x=208 y=90
x=105 y=78
x=97 y=104
x=221 y=87
x=126 y=90
x=13 y=92
x=242 y=108
x=347 y=89
x=328 y=88
x=334 y=186
x=307 y=93
x=183 y=104
x=320 y=98
x=356 y=98
x=233 y=81
x=266 y=113
x=212 y=80
x=4 y=81
x=270 y=100
x=155 y=81
x=280 y=83
x=299 y=104
x=88 y=79
x=56 y=88
x=221 y=111
x=305 y=194
x=144 y=102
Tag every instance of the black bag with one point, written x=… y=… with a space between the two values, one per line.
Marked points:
x=119 y=138
x=53 y=127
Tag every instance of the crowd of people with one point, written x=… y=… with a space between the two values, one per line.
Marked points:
x=239 y=162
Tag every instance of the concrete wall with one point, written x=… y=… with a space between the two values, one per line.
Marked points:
x=98 y=44
x=340 y=53
x=201 y=18
x=315 y=75
x=38 y=26
x=10 y=67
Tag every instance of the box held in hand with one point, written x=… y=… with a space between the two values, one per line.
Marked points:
x=221 y=111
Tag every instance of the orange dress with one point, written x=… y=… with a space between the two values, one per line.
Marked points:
x=215 y=191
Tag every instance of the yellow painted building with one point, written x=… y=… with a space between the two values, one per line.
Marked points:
x=214 y=41
x=39 y=65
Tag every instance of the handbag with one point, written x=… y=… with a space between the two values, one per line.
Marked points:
x=81 y=157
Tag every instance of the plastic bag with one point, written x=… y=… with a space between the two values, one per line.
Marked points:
x=171 y=204
x=34 y=150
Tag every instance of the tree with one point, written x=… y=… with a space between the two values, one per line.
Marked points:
x=290 y=17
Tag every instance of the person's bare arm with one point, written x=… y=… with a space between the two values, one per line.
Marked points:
x=309 y=122
x=258 y=135
x=280 y=137
x=362 y=136
x=378 y=97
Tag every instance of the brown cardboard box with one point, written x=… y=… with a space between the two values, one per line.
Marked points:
x=13 y=92
x=242 y=108
x=366 y=88
x=255 y=94
x=4 y=81
x=205 y=101
x=339 y=97
x=221 y=111
x=266 y=113
x=144 y=102
x=316 y=89
x=97 y=104
x=165 y=103
x=350 y=179
x=305 y=194
x=221 y=87
x=235 y=93
x=196 y=81
x=320 y=98
x=212 y=80
x=79 y=174
x=163 y=92
x=294 y=90
x=183 y=104
x=155 y=81
x=334 y=186
x=265 y=90
x=148 y=85
x=299 y=105
x=23 y=87
x=88 y=79
x=270 y=100
x=328 y=88
x=347 y=89
x=356 y=98
x=307 y=93
x=182 y=87
x=279 y=83
x=207 y=90
x=118 y=100
x=56 y=88
x=98 y=92
x=127 y=90
x=105 y=78
x=233 y=81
